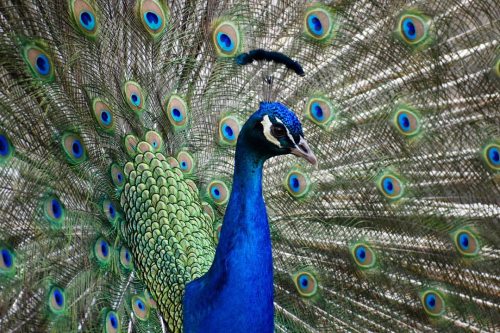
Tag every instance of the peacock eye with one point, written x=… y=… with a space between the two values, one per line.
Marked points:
x=278 y=131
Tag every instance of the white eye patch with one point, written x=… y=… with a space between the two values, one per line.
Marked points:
x=266 y=123
x=287 y=131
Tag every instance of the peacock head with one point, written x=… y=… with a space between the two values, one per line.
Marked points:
x=275 y=130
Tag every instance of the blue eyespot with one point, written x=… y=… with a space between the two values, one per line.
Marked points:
x=361 y=254
x=113 y=321
x=153 y=21
x=4 y=146
x=430 y=301
x=228 y=132
x=42 y=64
x=87 y=20
x=414 y=28
x=218 y=192
x=56 y=208
x=491 y=155
x=135 y=99
x=104 y=248
x=494 y=155
x=317 y=111
x=388 y=185
x=409 y=29
x=215 y=193
x=106 y=117
x=305 y=283
x=315 y=25
x=57 y=300
x=111 y=210
x=77 y=148
x=186 y=161
x=141 y=310
x=125 y=258
x=225 y=42
x=433 y=303
x=466 y=243
x=7 y=259
x=294 y=183
x=58 y=297
x=102 y=251
x=404 y=122
x=297 y=183
x=177 y=115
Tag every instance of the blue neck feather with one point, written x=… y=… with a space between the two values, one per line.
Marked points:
x=236 y=294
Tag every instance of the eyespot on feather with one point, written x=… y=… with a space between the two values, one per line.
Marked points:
x=363 y=255
x=112 y=322
x=433 y=303
x=406 y=121
x=131 y=142
x=6 y=149
x=413 y=28
x=226 y=39
x=297 y=183
x=155 y=140
x=186 y=162
x=109 y=210
x=73 y=147
x=153 y=17
x=39 y=62
x=57 y=300
x=177 y=112
x=134 y=96
x=7 y=261
x=218 y=192
x=390 y=186
x=54 y=211
x=117 y=176
x=103 y=115
x=229 y=129
x=85 y=17
x=319 y=23
x=306 y=283
x=140 y=308
x=320 y=111
x=466 y=243
x=102 y=251
x=491 y=155
x=125 y=258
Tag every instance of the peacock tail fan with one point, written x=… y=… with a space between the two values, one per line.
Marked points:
x=118 y=126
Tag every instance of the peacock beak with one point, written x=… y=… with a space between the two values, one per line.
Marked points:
x=302 y=150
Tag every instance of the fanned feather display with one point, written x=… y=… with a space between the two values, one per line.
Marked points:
x=118 y=127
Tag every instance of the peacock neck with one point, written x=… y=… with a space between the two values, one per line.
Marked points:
x=236 y=295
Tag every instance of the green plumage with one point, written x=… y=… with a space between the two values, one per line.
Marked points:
x=170 y=234
x=115 y=138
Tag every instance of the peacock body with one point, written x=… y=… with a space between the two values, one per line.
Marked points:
x=135 y=194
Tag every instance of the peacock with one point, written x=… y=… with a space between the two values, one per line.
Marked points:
x=249 y=166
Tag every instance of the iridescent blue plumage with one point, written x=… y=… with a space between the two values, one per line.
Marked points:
x=236 y=295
